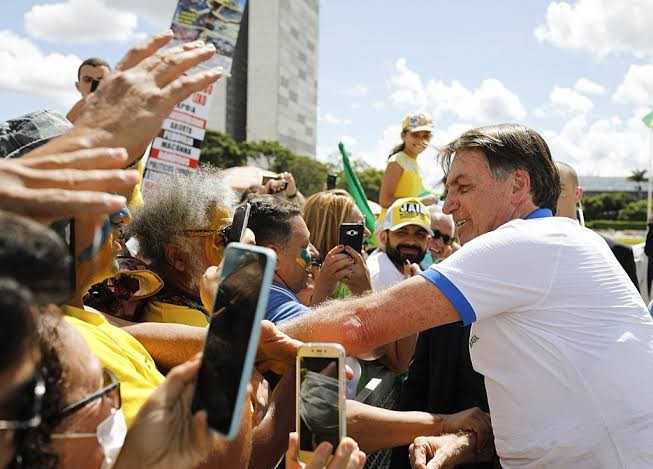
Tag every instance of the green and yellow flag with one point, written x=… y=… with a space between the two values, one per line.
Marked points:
x=648 y=119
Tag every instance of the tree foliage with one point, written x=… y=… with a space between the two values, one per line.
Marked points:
x=222 y=151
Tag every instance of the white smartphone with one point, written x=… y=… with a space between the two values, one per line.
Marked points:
x=233 y=334
x=320 y=397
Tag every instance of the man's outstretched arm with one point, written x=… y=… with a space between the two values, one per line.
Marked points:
x=365 y=323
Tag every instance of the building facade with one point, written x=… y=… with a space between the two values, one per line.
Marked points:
x=272 y=92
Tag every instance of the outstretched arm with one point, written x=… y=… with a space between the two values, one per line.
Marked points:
x=365 y=323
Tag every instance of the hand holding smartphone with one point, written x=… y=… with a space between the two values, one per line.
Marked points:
x=320 y=397
x=239 y=223
x=232 y=337
x=351 y=234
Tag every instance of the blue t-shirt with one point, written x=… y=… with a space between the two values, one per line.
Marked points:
x=283 y=304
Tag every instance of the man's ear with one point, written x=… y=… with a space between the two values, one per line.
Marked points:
x=175 y=257
x=579 y=193
x=521 y=186
x=383 y=238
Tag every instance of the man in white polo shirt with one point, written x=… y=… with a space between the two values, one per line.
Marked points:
x=560 y=333
x=404 y=240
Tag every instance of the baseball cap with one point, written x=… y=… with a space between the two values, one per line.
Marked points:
x=417 y=123
x=23 y=134
x=407 y=211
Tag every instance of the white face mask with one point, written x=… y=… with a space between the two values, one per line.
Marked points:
x=111 y=433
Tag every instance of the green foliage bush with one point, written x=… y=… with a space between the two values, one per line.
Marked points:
x=222 y=151
x=616 y=225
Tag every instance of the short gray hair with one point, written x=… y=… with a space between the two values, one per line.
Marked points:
x=180 y=202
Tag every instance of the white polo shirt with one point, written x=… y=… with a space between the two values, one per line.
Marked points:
x=564 y=341
x=383 y=273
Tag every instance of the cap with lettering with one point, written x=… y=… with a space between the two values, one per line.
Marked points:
x=407 y=211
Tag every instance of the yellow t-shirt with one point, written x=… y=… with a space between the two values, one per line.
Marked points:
x=410 y=183
x=159 y=311
x=121 y=353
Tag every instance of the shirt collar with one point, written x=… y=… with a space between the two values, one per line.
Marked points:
x=540 y=213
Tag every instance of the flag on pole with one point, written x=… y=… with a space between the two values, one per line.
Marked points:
x=355 y=189
x=648 y=119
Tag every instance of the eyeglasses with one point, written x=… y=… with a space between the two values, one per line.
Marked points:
x=30 y=400
x=223 y=232
x=446 y=239
x=110 y=388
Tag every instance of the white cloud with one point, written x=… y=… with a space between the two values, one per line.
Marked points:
x=329 y=118
x=491 y=102
x=80 y=21
x=358 y=91
x=604 y=147
x=565 y=102
x=158 y=12
x=586 y=86
x=601 y=27
x=24 y=68
x=348 y=140
x=637 y=87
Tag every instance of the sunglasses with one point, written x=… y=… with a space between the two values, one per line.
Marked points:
x=30 y=399
x=446 y=239
x=110 y=388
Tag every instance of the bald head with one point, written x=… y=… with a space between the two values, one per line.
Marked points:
x=570 y=191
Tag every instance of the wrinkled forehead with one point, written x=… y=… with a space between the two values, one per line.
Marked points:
x=470 y=165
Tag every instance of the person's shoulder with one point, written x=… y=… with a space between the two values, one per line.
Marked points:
x=400 y=158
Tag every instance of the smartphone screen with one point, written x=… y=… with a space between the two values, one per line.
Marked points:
x=318 y=402
x=241 y=217
x=232 y=337
x=351 y=234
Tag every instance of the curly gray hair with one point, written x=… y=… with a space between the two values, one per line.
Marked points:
x=181 y=202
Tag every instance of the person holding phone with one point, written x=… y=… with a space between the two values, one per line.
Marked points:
x=402 y=177
x=343 y=272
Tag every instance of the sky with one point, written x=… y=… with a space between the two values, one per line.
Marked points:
x=578 y=71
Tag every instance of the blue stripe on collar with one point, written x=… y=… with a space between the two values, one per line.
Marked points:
x=540 y=213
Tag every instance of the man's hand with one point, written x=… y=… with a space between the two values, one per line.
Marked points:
x=131 y=103
x=410 y=270
x=276 y=351
x=260 y=397
x=347 y=456
x=441 y=452
x=471 y=420
x=165 y=435
x=53 y=187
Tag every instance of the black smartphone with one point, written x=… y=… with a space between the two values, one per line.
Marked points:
x=332 y=179
x=94 y=85
x=232 y=337
x=351 y=234
x=239 y=223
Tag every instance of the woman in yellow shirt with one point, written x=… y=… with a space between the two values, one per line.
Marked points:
x=402 y=177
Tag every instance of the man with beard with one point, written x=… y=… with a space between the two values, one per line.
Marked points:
x=404 y=240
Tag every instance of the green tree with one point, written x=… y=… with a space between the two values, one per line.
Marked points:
x=634 y=211
x=605 y=206
x=638 y=176
x=222 y=151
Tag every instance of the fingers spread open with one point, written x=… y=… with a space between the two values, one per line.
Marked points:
x=173 y=65
x=184 y=86
x=141 y=52
x=113 y=180
x=95 y=158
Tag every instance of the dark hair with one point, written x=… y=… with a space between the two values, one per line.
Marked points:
x=36 y=258
x=269 y=219
x=33 y=446
x=93 y=62
x=399 y=147
x=509 y=147
x=18 y=329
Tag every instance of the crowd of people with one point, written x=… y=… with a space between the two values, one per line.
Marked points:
x=512 y=335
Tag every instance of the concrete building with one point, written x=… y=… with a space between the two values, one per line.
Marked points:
x=272 y=92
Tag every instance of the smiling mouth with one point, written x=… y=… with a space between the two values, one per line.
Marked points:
x=460 y=223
